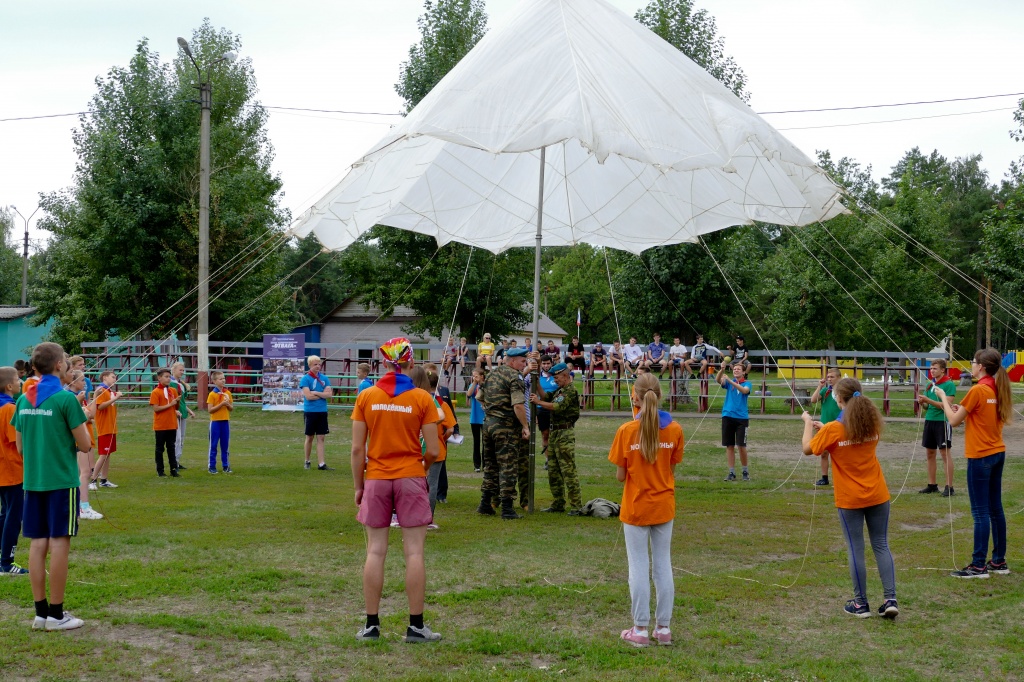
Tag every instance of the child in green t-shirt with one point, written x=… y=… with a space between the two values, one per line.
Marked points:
x=829 y=411
x=51 y=428
x=937 y=434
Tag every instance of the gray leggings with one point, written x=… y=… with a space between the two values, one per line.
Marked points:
x=659 y=539
x=877 y=519
x=433 y=477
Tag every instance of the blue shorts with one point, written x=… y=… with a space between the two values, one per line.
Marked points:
x=50 y=513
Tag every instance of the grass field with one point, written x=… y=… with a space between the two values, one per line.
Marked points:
x=257 y=575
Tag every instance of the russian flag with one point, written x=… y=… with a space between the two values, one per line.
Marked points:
x=577 y=319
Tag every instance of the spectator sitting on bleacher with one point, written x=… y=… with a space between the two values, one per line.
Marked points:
x=739 y=354
x=451 y=356
x=499 y=355
x=615 y=359
x=553 y=352
x=699 y=355
x=654 y=356
x=598 y=358
x=463 y=354
x=574 y=354
x=677 y=354
x=485 y=352
x=633 y=357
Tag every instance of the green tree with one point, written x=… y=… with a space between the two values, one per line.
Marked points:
x=124 y=245
x=320 y=280
x=695 y=34
x=1000 y=257
x=575 y=278
x=10 y=260
x=448 y=31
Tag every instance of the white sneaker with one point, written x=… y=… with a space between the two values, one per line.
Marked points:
x=420 y=635
x=90 y=514
x=68 y=622
x=394 y=521
x=92 y=486
x=107 y=484
x=39 y=623
x=432 y=526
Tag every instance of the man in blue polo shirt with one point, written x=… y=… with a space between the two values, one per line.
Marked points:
x=654 y=357
x=316 y=389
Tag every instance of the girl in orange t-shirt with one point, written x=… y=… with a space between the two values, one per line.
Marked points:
x=646 y=452
x=985 y=408
x=860 y=491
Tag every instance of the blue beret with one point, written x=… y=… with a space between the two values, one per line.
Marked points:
x=560 y=367
x=515 y=352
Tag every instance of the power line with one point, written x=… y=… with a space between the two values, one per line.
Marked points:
x=898 y=120
x=900 y=104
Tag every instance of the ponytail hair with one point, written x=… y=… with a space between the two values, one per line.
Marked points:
x=648 y=394
x=992 y=362
x=861 y=419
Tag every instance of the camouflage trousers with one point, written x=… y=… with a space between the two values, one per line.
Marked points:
x=500 y=460
x=562 y=476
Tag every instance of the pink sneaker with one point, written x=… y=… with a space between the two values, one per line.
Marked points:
x=637 y=639
x=663 y=636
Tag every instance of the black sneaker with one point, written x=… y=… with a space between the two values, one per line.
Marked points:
x=731 y=477
x=930 y=488
x=324 y=467
x=174 y=473
x=889 y=609
x=420 y=635
x=822 y=481
x=948 y=491
x=160 y=473
x=1001 y=569
x=857 y=609
x=369 y=634
x=746 y=476
x=971 y=571
x=182 y=467
x=306 y=465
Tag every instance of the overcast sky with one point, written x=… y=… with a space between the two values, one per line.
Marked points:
x=797 y=54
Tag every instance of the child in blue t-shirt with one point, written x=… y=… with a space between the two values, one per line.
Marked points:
x=735 y=418
x=476 y=415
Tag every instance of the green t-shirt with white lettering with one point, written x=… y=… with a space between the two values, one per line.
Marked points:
x=935 y=414
x=829 y=406
x=48 y=446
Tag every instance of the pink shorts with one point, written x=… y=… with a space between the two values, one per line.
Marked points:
x=406 y=497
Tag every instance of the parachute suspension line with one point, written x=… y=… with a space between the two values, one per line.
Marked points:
x=999 y=300
x=397 y=298
x=487 y=302
x=827 y=298
x=971 y=302
x=245 y=251
x=611 y=290
x=920 y=421
x=275 y=286
x=718 y=387
x=455 y=313
x=667 y=297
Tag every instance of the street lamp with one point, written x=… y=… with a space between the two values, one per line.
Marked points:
x=205 y=102
x=24 y=265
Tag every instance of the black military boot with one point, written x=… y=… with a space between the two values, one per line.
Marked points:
x=508 y=511
x=485 y=505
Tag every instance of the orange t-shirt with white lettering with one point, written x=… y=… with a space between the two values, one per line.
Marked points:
x=393 y=425
x=12 y=466
x=856 y=474
x=447 y=422
x=649 y=494
x=983 y=435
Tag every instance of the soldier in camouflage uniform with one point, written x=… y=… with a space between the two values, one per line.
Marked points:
x=564 y=405
x=505 y=427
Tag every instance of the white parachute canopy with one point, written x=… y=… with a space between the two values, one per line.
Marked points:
x=644 y=147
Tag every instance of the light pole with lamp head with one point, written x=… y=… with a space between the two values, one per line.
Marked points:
x=205 y=88
x=24 y=265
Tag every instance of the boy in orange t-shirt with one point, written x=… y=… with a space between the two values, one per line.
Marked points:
x=105 y=401
x=164 y=400
x=12 y=474
x=860 y=492
x=220 y=404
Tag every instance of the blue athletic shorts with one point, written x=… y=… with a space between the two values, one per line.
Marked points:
x=50 y=513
